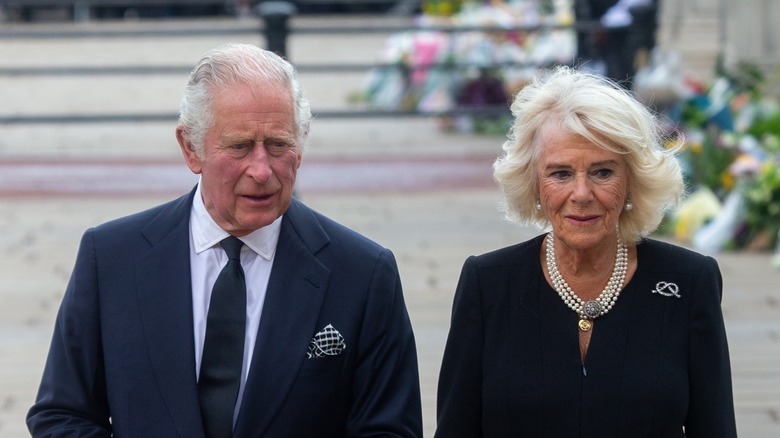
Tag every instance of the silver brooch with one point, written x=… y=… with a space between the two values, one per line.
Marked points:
x=667 y=289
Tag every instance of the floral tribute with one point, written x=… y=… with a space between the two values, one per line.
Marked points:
x=468 y=56
x=731 y=162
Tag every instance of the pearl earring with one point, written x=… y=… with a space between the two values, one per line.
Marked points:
x=629 y=205
x=538 y=204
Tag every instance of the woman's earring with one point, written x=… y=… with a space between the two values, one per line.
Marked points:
x=629 y=205
x=538 y=204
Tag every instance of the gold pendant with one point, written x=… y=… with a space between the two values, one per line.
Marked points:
x=585 y=324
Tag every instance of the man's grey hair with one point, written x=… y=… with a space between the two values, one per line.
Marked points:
x=230 y=65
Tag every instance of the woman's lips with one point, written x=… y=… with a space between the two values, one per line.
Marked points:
x=582 y=219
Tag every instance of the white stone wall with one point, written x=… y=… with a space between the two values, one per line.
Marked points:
x=740 y=30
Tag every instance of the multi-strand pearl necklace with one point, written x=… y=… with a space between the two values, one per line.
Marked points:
x=588 y=310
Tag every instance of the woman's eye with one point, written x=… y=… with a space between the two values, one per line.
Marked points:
x=560 y=174
x=603 y=173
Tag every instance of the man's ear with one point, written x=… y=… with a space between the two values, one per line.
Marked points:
x=188 y=150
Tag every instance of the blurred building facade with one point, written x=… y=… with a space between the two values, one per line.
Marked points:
x=746 y=31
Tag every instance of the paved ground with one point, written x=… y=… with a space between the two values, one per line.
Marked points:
x=425 y=200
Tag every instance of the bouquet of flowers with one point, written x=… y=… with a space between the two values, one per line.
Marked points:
x=733 y=153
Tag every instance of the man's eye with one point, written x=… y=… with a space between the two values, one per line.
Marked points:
x=279 y=144
x=278 y=147
x=241 y=146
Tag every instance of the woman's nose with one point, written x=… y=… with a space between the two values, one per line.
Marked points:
x=582 y=189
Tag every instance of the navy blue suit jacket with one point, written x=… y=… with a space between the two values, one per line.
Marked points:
x=122 y=358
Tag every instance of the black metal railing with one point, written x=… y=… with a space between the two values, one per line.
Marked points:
x=240 y=27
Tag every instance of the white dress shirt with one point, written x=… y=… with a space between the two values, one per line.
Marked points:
x=207 y=258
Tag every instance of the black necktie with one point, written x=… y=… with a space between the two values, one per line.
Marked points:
x=223 y=347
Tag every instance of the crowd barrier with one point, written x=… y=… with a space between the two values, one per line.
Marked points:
x=272 y=21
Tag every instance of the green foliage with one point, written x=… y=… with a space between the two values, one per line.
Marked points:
x=762 y=199
x=767 y=130
x=706 y=162
x=496 y=126
x=744 y=77
x=693 y=115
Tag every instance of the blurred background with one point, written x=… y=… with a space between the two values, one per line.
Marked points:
x=410 y=99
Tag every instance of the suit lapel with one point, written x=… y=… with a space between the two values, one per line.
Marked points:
x=296 y=290
x=165 y=300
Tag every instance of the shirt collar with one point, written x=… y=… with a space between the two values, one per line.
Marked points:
x=206 y=233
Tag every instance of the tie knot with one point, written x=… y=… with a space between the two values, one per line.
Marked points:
x=232 y=246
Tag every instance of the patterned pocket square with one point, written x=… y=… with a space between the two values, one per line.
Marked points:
x=328 y=342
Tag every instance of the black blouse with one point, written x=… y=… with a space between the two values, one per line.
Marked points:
x=657 y=364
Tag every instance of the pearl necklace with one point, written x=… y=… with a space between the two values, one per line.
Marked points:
x=588 y=310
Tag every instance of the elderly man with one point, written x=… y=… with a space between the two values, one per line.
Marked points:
x=234 y=310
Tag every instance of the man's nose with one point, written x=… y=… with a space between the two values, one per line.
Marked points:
x=259 y=167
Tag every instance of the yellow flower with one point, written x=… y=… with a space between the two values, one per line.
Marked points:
x=727 y=180
x=694 y=212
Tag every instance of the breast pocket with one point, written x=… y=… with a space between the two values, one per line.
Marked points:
x=326 y=365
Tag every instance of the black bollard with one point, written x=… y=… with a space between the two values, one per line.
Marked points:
x=276 y=14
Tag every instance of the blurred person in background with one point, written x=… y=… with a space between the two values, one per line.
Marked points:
x=623 y=40
x=234 y=310
x=591 y=329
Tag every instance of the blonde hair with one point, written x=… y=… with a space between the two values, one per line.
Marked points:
x=607 y=115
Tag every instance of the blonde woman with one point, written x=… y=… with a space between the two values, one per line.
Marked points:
x=590 y=329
